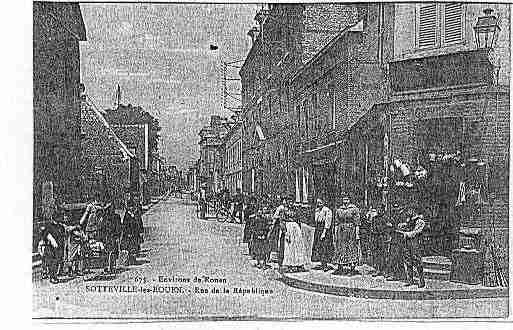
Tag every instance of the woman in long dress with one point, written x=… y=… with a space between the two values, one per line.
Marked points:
x=294 y=259
x=346 y=237
x=323 y=238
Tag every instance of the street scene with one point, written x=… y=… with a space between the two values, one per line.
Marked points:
x=271 y=161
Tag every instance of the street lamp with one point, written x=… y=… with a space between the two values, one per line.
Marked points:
x=486 y=29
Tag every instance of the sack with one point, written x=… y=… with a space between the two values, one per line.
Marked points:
x=122 y=259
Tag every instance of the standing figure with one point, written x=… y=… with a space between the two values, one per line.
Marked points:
x=111 y=231
x=260 y=238
x=378 y=238
x=413 y=250
x=323 y=237
x=238 y=203
x=74 y=248
x=249 y=215
x=131 y=233
x=293 y=247
x=52 y=248
x=394 y=269
x=202 y=201
x=90 y=220
x=346 y=237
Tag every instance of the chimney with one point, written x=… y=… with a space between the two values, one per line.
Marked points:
x=253 y=33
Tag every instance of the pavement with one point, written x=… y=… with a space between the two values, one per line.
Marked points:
x=193 y=269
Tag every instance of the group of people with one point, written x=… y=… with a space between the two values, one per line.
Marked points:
x=66 y=245
x=390 y=242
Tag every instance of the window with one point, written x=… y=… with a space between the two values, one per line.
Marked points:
x=298 y=114
x=439 y=24
x=332 y=106
x=453 y=23
x=315 y=111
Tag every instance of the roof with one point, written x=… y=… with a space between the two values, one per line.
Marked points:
x=122 y=147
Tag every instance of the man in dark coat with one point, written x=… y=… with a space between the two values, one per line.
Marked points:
x=131 y=234
x=111 y=231
x=378 y=239
x=394 y=270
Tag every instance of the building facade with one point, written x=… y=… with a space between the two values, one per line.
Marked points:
x=450 y=100
x=287 y=37
x=138 y=130
x=58 y=30
x=105 y=165
x=329 y=94
x=233 y=158
x=211 y=161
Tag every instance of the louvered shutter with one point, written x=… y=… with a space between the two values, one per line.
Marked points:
x=427 y=25
x=453 y=23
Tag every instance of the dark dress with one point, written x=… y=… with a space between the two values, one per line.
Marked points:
x=250 y=210
x=260 y=241
x=111 y=231
x=131 y=236
x=322 y=249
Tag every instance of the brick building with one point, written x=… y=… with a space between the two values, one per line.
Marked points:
x=138 y=129
x=288 y=36
x=329 y=94
x=450 y=96
x=105 y=165
x=58 y=29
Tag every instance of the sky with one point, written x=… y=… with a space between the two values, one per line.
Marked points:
x=160 y=56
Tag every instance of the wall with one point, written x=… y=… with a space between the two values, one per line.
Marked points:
x=404 y=46
x=58 y=29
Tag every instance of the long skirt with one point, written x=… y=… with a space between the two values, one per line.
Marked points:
x=246 y=237
x=322 y=248
x=261 y=249
x=294 y=248
x=346 y=245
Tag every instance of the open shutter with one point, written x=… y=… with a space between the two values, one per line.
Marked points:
x=427 y=25
x=453 y=23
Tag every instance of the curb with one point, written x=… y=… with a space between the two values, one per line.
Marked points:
x=395 y=295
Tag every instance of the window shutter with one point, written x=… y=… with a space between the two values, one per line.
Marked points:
x=453 y=23
x=427 y=25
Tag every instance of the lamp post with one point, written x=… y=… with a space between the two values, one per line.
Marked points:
x=486 y=29
x=486 y=33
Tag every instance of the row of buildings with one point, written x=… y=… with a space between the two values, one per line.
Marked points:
x=80 y=151
x=389 y=102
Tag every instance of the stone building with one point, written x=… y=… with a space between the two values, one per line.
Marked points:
x=58 y=30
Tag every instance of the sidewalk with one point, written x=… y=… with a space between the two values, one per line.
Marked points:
x=366 y=286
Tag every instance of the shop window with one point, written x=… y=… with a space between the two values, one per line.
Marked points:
x=439 y=24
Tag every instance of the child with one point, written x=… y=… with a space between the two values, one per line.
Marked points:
x=260 y=238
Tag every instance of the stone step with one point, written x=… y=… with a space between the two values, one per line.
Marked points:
x=437 y=262
x=437 y=274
